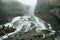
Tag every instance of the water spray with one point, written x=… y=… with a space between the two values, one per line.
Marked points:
x=23 y=23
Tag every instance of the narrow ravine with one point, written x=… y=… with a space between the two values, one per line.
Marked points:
x=24 y=24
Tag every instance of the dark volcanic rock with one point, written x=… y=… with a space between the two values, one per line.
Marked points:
x=5 y=30
x=48 y=10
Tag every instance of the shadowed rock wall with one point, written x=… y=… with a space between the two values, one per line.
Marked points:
x=12 y=8
x=48 y=10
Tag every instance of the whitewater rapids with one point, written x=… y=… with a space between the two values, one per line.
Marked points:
x=26 y=23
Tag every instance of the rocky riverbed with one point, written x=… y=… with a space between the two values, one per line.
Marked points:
x=47 y=10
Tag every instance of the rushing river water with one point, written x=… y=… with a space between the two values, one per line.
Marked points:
x=27 y=23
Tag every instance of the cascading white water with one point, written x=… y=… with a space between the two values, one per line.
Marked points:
x=25 y=22
x=31 y=3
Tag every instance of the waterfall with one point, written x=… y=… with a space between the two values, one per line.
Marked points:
x=31 y=3
x=23 y=23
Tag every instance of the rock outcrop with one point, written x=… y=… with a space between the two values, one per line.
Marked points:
x=48 y=10
x=12 y=8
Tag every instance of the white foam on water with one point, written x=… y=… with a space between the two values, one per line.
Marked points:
x=25 y=22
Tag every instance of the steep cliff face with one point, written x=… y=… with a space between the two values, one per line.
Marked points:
x=12 y=8
x=48 y=10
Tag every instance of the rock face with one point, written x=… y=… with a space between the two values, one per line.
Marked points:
x=48 y=10
x=12 y=8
